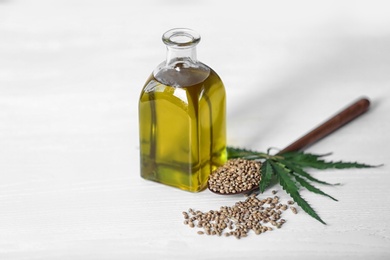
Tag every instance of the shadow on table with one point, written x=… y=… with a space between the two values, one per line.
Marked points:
x=364 y=60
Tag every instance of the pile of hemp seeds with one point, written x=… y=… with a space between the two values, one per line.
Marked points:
x=258 y=215
x=235 y=176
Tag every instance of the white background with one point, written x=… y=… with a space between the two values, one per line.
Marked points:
x=70 y=77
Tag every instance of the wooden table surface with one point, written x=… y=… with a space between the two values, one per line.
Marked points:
x=70 y=77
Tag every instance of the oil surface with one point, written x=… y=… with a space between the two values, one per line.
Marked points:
x=182 y=127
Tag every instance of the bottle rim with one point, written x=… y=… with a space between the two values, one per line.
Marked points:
x=181 y=38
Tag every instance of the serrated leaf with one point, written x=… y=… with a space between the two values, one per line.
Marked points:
x=311 y=188
x=302 y=156
x=266 y=175
x=313 y=161
x=234 y=152
x=298 y=170
x=321 y=164
x=291 y=188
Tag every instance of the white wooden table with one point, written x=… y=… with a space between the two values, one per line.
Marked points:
x=70 y=77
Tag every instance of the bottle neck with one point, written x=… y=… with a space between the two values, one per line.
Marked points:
x=181 y=62
x=181 y=55
x=181 y=46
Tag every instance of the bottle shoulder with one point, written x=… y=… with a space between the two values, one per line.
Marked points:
x=181 y=74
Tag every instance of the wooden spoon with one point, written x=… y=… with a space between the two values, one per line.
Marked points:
x=329 y=126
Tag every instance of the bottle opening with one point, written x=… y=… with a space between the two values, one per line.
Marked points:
x=181 y=37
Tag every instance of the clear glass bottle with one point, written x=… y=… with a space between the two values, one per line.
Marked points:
x=182 y=118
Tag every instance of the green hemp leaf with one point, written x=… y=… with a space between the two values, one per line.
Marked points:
x=289 y=170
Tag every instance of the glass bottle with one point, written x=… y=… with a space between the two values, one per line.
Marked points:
x=182 y=118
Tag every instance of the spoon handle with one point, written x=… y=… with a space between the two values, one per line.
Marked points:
x=329 y=126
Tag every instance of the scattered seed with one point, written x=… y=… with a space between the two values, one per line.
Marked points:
x=239 y=220
x=294 y=210
x=290 y=202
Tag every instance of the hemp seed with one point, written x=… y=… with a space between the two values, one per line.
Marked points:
x=294 y=210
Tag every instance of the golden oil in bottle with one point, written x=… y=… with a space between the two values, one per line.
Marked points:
x=182 y=118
